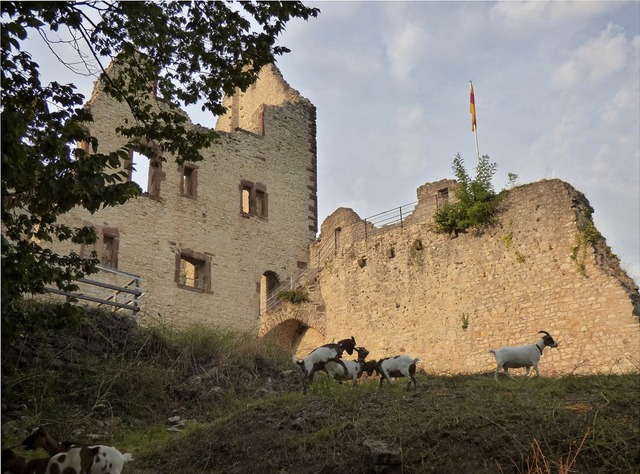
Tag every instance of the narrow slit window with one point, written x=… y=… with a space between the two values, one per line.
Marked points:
x=246 y=199
x=261 y=203
x=107 y=251
x=109 y=247
x=189 y=181
x=442 y=196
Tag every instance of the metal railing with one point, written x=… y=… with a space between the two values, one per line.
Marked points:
x=289 y=284
x=109 y=287
x=357 y=231
x=379 y=222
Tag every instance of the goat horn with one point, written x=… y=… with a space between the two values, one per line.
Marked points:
x=544 y=332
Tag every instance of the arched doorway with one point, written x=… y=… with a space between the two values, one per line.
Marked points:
x=268 y=282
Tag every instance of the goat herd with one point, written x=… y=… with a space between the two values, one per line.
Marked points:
x=328 y=358
x=75 y=458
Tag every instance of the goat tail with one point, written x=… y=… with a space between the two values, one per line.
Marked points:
x=127 y=457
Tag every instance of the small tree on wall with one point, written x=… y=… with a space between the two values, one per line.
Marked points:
x=476 y=201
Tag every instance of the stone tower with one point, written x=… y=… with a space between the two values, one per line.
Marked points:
x=212 y=237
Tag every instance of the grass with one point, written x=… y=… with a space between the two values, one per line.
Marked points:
x=243 y=411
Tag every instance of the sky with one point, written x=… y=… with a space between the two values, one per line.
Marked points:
x=557 y=93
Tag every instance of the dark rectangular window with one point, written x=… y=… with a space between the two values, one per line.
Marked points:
x=442 y=197
x=110 y=243
x=189 y=181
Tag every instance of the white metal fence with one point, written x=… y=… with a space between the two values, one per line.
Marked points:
x=109 y=287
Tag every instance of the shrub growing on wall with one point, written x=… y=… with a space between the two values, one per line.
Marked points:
x=476 y=201
x=294 y=296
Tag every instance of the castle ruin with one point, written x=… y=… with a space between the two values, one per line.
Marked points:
x=213 y=238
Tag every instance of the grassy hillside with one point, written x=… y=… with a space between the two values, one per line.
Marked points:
x=211 y=400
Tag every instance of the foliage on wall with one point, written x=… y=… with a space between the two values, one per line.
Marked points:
x=295 y=296
x=476 y=201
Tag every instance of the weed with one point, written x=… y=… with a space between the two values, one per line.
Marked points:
x=538 y=463
x=465 y=321
x=587 y=235
x=294 y=295
x=508 y=239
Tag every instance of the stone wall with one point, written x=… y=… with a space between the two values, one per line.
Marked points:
x=239 y=248
x=448 y=300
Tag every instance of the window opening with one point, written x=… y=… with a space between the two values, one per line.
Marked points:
x=246 y=193
x=109 y=247
x=84 y=146
x=139 y=172
x=189 y=181
x=193 y=271
x=268 y=282
x=260 y=203
x=442 y=197
x=107 y=251
x=254 y=200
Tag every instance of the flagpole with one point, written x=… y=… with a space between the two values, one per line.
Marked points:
x=474 y=126
x=477 y=150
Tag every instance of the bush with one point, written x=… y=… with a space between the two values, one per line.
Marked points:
x=294 y=296
x=476 y=202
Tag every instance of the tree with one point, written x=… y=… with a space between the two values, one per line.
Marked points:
x=168 y=54
x=476 y=201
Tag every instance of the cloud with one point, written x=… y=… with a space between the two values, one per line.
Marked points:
x=532 y=16
x=594 y=60
x=626 y=100
x=411 y=140
x=404 y=40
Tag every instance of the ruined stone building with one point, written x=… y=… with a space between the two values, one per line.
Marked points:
x=404 y=288
x=212 y=238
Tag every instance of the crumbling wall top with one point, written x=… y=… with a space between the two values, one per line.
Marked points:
x=245 y=109
x=341 y=217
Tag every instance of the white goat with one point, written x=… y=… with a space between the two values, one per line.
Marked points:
x=398 y=366
x=353 y=367
x=89 y=460
x=522 y=356
x=317 y=359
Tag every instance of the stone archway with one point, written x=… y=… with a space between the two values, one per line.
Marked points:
x=300 y=327
x=296 y=336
